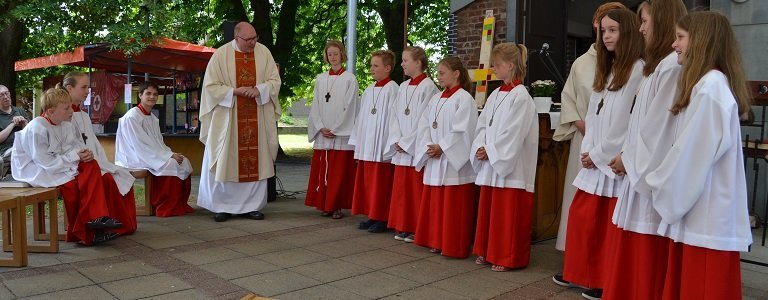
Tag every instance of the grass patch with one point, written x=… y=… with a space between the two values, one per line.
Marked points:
x=296 y=146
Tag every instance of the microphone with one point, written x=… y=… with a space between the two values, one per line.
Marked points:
x=544 y=48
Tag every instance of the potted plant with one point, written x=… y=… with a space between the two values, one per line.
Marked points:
x=542 y=92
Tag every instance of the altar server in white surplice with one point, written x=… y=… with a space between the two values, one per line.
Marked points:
x=139 y=145
x=412 y=98
x=373 y=181
x=619 y=71
x=446 y=131
x=331 y=121
x=504 y=155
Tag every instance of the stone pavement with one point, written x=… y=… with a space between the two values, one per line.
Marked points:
x=293 y=254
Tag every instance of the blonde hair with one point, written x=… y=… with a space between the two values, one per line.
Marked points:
x=664 y=14
x=418 y=53
x=711 y=45
x=516 y=54
x=455 y=64
x=55 y=96
x=628 y=50
x=334 y=44
x=70 y=79
x=387 y=57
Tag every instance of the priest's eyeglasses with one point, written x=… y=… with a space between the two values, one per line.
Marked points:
x=248 y=40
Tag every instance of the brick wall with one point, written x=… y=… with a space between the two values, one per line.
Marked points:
x=465 y=28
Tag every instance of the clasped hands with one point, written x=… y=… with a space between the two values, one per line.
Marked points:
x=616 y=164
x=247 y=91
x=434 y=151
x=178 y=157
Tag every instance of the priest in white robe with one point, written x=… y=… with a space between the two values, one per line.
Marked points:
x=238 y=115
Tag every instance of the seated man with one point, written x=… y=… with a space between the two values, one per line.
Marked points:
x=12 y=119
x=139 y=145
x=47 y=153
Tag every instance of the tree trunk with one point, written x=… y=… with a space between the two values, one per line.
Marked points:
x=263 y=23
x=11 y=37
x=391 y=14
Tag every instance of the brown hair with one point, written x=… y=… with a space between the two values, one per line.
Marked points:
x=418 y=53
x=55 y=96
x=628 y=50
x=334 y=44
x=604 y=9
x=516 y=54
x=454 y=64
x=387 y=57
x=711 y=45
x=70 y=80
x=664 y=14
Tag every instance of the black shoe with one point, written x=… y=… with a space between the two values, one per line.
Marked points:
x=254 y=215
x=102 y=237
x=562 y=282
x=366 y=224
x=220 y=217
x=378 y=227
x=593 y=294
x=104 y=223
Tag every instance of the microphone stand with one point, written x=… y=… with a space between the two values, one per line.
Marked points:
x=549 y=64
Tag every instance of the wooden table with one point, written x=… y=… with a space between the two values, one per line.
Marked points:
x=550 y=179
x=38 y=198
x=14 y=227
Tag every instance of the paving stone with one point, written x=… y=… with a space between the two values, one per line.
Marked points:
x=82 y=253
x=46 y=283
x=217 y=234
x=378 y=259
x=168 y=241
x=331 y=270
x=292 y=257
x=118 y=271
x=41 y=260
x=82 y=293
x=210 y=255
x=375 y=285
x=240 y=267
x=426 y=293
x=411 y=250
x=305 y=239
x=5 y=293
x=262 y=226
x=145 y=286
x=339 y=248
x=475 y=285
x=422 y=271
x=320 y=292
x=275 y=283
x=462 y=264
x=257 y=247
x=190 y=294
x=197 y=225
x=377 y=240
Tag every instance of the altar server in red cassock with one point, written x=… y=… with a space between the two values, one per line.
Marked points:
x=331 y=121
x=412 y=98
x=139 y=145
x=373 y=181
x=619 y=71
x=504 y=155
x=48 y=154
x=446 y=132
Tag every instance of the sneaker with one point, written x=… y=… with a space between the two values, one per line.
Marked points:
x=410 y=238
x=365 y=224
x=378 y=227
x=593 y=294
x=562 y=282
x=401 y=236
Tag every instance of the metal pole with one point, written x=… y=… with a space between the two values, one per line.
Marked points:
x=351 y=35
x=128 y=81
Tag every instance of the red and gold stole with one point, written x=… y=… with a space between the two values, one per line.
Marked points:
x=247 y=120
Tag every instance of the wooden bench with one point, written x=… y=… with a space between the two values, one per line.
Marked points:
x=14 y=228
x=37 y=197
x=147 y=209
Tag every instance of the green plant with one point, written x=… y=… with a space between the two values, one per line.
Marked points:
x=543 y=88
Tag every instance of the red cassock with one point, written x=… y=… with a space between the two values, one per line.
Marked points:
x=84 y=201
x=503 y=234
x=406 y=199
x=373 y=189
x=447 y=218
x=638 y=266
x=329 y=178
x=589 y=241
x=121 y=207
x=169 y=195
x=701 y=273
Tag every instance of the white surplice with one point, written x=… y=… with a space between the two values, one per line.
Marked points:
x=700 y=188
x=337 y=114
x=511 y=142
x=139 y=145
x=456 y=120
x=403 y=128
x=372 y=129
x=81 y=123
x=574 y=100
x=655 y=97
x=45 y=155
x=605 y=134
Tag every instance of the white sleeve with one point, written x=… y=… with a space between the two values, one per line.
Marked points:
x=315 y=119
x=456 y=143
x=508 y=148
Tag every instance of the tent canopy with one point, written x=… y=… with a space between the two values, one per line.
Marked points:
x=164 y=58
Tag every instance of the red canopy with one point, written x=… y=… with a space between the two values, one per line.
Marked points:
x=161 y=58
